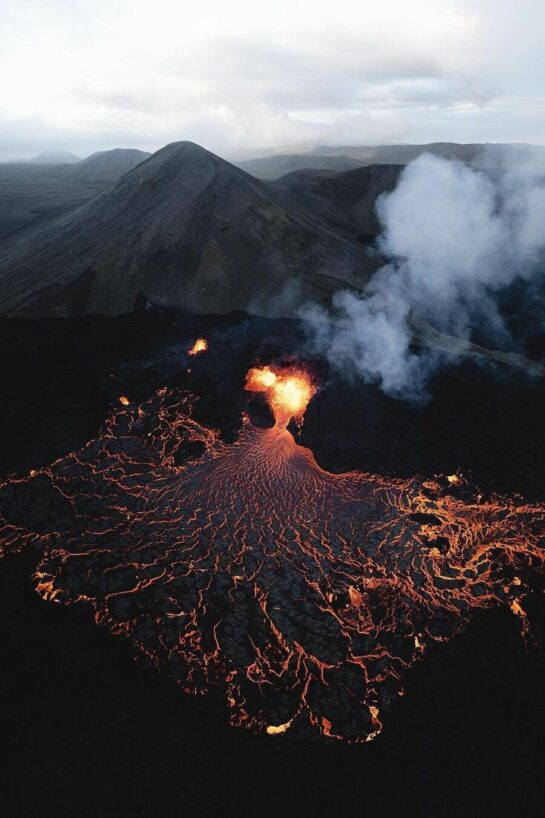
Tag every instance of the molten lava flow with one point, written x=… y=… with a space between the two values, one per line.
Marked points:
x=302 y=596
x=288 y=391
x=200 y=345
x=277 y=729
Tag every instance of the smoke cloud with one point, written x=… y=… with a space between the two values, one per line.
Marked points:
x=454 y=239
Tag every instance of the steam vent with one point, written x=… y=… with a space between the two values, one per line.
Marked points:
x=302 y=597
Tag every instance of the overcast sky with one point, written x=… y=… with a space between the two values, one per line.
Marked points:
x=85 y=75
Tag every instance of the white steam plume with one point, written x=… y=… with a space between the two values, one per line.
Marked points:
x=455 y=238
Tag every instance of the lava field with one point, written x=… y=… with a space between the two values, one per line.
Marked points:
x=301 y=596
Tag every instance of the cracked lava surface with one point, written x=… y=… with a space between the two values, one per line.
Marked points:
x=302 y=597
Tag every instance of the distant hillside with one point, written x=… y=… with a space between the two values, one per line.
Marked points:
x=186 y=229
x=480 y=154
x=273 y=167
x=346 y=200
x=349 y=157
x=106 y=166
x=31 y=195
x=54 y=158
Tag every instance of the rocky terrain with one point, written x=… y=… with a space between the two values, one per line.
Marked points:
x=77 y=707
x=33 y=193
x=344 y=199
x=185 y=229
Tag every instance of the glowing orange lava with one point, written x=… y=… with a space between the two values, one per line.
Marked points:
x=278 y=729
x=304 y=597
x=288 y=391
x=200 y=345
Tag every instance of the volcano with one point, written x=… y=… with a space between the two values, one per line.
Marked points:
x=303 y=597
x=185 y=229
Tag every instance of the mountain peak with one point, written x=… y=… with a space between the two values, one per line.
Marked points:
x=183 y=167
x=184 y=147
x=179 y=155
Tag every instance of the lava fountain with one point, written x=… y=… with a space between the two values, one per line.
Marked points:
x=200 y=345
x=302 y=597
x=288 y=391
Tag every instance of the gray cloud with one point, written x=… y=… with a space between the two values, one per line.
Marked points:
x=85 y=75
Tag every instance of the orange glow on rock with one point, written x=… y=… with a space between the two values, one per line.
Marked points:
x=200 y=345
x=356 y=598
x=288 y=391
x=277 y=729
x=517 y=608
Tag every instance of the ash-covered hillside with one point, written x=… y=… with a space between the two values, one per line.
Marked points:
x=185 y=229
x=346 y=199
x=32 y=193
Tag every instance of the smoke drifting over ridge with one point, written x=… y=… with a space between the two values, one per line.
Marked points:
x=455 y=239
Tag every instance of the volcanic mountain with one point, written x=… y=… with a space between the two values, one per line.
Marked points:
x=106 y=166
x=345 y=199
x=273 y=167
x=186 y=229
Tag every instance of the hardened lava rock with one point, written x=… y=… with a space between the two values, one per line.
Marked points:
x=302 y=596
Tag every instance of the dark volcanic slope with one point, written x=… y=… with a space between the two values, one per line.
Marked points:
x=31 y=194
x=273 y=167
x=105 y=166
x=347 y=198
x=185 y=229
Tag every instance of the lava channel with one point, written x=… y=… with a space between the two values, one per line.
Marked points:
x=301 y=596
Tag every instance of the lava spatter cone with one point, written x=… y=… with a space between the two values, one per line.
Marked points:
x=288 y=391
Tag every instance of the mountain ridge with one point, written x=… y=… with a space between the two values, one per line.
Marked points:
x=105 y=166
x=53 y=158
x=186 y=229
